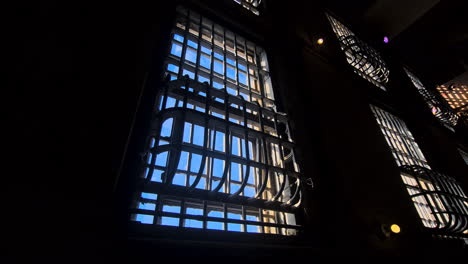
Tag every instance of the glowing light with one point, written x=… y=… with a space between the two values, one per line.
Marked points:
x=385 y=39
x=434 y=110
x=395 y=228
x=320 y=41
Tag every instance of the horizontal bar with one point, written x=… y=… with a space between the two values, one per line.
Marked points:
x=180 y=191
x=212 y=219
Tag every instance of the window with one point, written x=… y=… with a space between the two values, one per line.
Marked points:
x=464 y=155
x=252 y=5
x=366 y=61
x=404 y=148
x=219 y=156
x=443 y=113
x=457 y=97
x=439 y=200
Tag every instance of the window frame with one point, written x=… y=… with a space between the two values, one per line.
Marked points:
x=438 y=199
x=366 y=61
x=182 y=54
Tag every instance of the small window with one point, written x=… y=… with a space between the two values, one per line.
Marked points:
x=367 y=62
x=218 y=148
x=252 y=5
x=438 y=198
x=464 y=155
x=438 y=108
x=456 y=95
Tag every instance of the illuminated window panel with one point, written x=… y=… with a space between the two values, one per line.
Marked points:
x=404 y=148
x=252 y=5
x=366 y=61
x=457 y=97
x=438 y=108
x=439 y=200
x=464 y=155
x=218 y=155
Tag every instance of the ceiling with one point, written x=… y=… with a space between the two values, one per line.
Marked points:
x=430 y=36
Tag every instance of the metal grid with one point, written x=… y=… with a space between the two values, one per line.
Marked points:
x=404 y=148
x=366 y=61
x=217 y=144
x=439 y=199
x=456 y=95
x=252 y=5
x=464 y=155
x=441 y=111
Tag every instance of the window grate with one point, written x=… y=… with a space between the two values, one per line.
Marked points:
x=404 y=148
x=439 y=199
x=216 y=139
x=456 y=95
x=252 y=5
x=464 y=155
x=366 y=61
x=442 y=112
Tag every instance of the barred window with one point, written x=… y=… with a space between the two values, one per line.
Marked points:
x=404 y=148
x=456 y=95
x=439 y=199
x=441 y=111
x=464 y=155
x=366 y=61
x=219 y=156
x=252 y=5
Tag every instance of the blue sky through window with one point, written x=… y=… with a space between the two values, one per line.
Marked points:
x=205 y=61
x=179 y=179
x=173 y=68
x=191 y=55
x=178 y=37
x=147 y=206
x=193 y=223
x=231 y=72
x=183 y=160
x=161 y=159
x=218 y=67
x=176 y=49
x=145 y=219
x=171 y=208
x=218 y=167
x=157 y=175
x=167 y=128
x=169 y=221
x=198 y=135
x=215 y=225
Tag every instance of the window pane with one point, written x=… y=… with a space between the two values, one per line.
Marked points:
x=227 y=112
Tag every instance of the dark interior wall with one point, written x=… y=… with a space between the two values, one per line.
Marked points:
x=77 y=81
x=77 y=71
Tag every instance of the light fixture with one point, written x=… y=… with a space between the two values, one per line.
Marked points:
x=395 y=228
x=388 y=231
x=320 y=41
x=385 y=39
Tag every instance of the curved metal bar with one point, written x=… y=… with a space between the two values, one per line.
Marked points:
x=153 y=155
x=267 y=170
x=448 y=194
x=204 y=156
x=298 y=185
x=283 y=161
x=280 y=191
x=247 y=156
x=205 y=140
x=228 y=151
x=174 y=154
